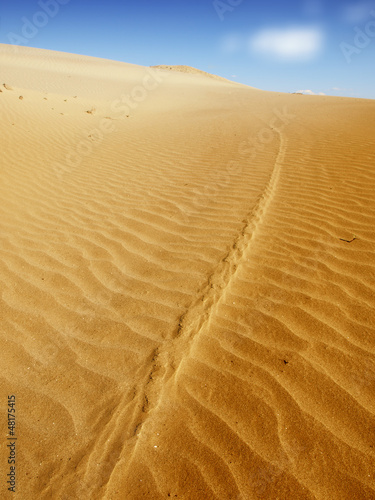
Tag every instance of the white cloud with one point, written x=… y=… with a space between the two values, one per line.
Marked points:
x=291 y=44
x=309 y=92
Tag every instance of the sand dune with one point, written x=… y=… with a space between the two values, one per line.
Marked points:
x=187 y=272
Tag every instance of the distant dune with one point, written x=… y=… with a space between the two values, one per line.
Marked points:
x=187 y=273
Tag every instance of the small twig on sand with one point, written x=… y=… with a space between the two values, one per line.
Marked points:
x=349 y=241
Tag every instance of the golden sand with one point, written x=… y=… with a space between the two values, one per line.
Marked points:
x=187 y=273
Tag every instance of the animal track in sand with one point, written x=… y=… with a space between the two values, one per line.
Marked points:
x=167 y=358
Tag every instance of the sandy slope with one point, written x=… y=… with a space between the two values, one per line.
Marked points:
x=180 y=314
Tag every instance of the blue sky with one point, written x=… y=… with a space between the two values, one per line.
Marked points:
x=315 y=46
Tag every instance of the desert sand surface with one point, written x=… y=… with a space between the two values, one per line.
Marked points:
x=187 y=273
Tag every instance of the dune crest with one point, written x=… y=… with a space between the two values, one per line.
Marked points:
x=191 y=70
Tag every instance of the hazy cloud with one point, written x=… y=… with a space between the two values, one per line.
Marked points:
x=339 y=89
x=312 y=7
x=358 y=12
x=232 y=43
